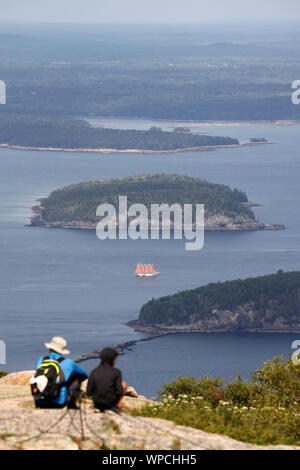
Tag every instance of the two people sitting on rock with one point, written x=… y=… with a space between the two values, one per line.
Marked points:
x=57 y=380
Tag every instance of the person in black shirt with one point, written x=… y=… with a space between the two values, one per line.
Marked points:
x=105 y=382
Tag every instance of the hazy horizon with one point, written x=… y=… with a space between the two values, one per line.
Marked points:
x=157 y=12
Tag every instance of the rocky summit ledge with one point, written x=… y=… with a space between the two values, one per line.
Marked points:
x=22 y=427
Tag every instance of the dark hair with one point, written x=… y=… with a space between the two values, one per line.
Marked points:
x=108 y=355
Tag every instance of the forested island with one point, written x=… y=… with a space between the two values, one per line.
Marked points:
x=75 y=206
x=262 y=304
x=74 y=134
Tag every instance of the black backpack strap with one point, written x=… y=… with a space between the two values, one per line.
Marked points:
x=60 y=359
x=62 y=375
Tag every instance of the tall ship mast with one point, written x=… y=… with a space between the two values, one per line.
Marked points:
x=146 y=270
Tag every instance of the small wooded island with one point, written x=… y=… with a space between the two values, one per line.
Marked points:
x=75 y=206
x=77 y=135
x=262 y=304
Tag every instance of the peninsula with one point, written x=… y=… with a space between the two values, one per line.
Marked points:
x=70 y=134
x=262 y=304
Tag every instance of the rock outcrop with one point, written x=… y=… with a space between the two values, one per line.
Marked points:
x=244 y=318
x=24 y=427
x=17 y=378
x=216 y=222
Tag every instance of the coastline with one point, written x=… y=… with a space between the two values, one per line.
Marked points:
x=162 y=331
x=37 y=221
x=203 y=148
x=158 y=332
x=278 y=122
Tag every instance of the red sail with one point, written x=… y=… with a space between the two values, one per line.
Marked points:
x=142 y=269
x=154 y=269
x=146 y=268
x=151 y=268
x=138 y=269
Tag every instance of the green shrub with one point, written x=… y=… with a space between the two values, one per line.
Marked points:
x=207 y=387
x=240 y=393
x=278 y=382
x=264 y=410
x=3 y=373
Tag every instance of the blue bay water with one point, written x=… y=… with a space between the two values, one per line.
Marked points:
x=67 y=282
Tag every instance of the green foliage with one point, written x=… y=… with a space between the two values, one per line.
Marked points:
x=264 y=410
x=207 y=387
x=80 y=201
x=273 y=297
x=3 y=373
x=60 y=132
x=278 y=383
x=258 y=139
x=240 y=393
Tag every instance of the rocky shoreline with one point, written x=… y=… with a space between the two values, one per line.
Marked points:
x=214 y=223
x=158 y=331
x=202 y=148
x=193 y=122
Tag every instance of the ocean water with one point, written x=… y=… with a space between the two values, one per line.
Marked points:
x=69 y=283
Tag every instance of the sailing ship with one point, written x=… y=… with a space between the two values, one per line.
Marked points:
x=146 y=270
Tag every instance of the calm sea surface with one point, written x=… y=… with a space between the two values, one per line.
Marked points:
x=69 y=283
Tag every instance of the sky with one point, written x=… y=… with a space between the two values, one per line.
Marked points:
x=149 y=11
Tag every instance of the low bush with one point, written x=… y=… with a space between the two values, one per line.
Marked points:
x=264 y=410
